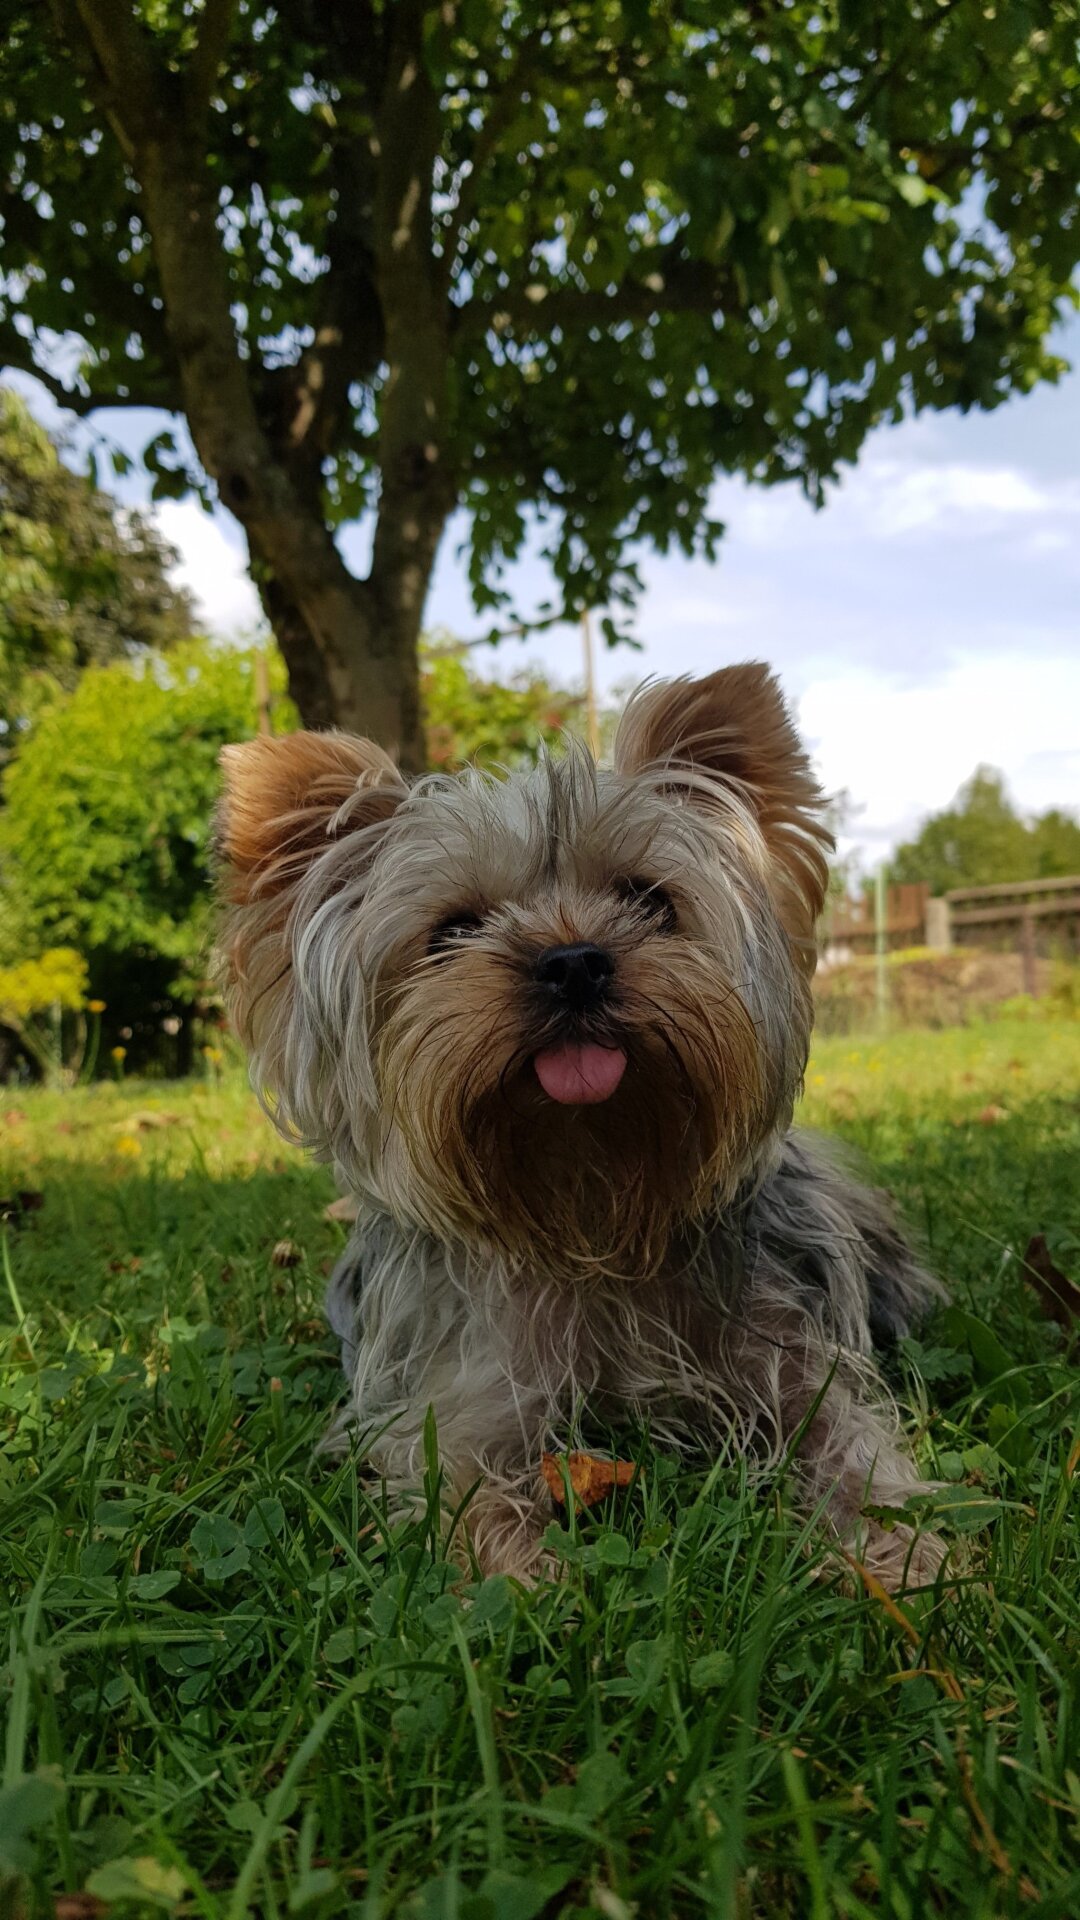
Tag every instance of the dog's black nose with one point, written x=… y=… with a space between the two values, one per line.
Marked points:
x=578 y=975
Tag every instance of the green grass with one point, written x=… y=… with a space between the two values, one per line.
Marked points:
x=233 y=1687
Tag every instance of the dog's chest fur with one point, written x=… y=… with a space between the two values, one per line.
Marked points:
x=702 y=1349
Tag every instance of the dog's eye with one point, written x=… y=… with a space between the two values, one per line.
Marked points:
x=653 y=900
x=451 y=931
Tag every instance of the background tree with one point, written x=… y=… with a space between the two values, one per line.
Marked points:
x=469 y=716
x=1055 y=838
x=982 y=839
x=80 y=583
x=399 y=258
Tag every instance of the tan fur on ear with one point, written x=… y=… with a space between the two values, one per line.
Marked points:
x=734 y=728
x=282 y=800
x=286 y=801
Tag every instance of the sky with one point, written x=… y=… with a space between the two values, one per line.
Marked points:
x=926 y=620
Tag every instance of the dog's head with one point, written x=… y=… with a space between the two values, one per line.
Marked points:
x=552 y=1014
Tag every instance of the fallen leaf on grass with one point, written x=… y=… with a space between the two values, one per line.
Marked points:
x=346 y=1209
x=992 y=1116
x=148 y=1120
x=1058 y=1296
x=78 y=1906
x=14 y=1117
x=590 y=1478
x=286 y=1254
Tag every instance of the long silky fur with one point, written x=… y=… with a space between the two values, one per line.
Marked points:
x=676 y=1253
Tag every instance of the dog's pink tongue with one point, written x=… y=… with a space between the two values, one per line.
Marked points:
x=580 y=1076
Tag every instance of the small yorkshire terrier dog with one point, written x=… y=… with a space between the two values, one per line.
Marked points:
x=550 y=1027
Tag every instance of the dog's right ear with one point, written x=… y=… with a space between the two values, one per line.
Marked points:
x=287 y=798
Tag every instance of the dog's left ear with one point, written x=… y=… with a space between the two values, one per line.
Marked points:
x=731 y=733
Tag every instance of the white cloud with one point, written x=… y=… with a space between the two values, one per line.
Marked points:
x=212 y=566
x=890 y=499
x=903 y=750
x=956 y=497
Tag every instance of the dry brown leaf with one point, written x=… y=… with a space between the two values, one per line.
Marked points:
x=992 y=1116
x=1058 y=1296
x=286 y=1254
x=345 y=1209
x=78 y=1906
x=590 y=1478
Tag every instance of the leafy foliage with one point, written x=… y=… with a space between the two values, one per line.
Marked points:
x=105 y=834
x=35 y=995
x=1055 y=844
x=982 y=839
x=498 y=723
x=56 y=979
x=568 y=264
x=80 y=584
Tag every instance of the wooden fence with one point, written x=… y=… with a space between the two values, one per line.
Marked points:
x=1039 y=919
x=848 y=926
x=1036 y=917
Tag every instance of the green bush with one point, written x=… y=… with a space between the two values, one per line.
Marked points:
x=105 y=830
x=42 y=1003
x=494 y=722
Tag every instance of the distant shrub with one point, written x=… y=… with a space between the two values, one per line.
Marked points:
x=105 y=833
x=926 y=988
x=42 y=1003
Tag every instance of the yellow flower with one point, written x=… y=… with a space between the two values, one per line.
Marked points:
x=128 y=1146
x=118 y=1053
x=96 y=1006
x=214 y=1055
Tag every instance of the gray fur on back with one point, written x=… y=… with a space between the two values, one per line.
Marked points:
x=815 y=1219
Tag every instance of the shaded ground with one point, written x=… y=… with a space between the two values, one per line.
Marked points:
x=230 y=1687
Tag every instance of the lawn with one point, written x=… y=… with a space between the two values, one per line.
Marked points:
x=232 y=1688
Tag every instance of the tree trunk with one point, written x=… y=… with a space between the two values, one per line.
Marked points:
x=364 y=673
x=350 y=645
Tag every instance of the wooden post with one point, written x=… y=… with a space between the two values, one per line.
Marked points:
x=938 y=925
x=881 y=946
x=1027 y=951
x=592 y=724
x=262 y=692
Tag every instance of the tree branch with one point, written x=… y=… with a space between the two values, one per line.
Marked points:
x=418 y=486
x=16 y=356
x=127 y=79
x=506 y=100
x=680 y=286
x=210 y=47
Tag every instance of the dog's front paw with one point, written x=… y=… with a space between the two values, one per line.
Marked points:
x=900 y=1559
x=504 y=1533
